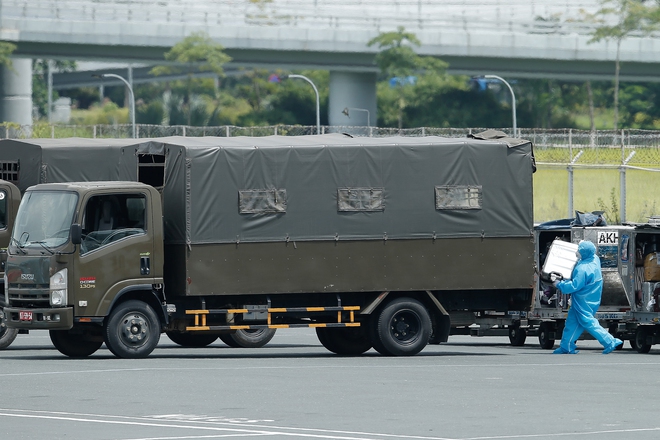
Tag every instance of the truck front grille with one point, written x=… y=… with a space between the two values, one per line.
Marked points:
x=36 y=296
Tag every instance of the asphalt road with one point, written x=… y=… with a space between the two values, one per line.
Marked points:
x=471 y=388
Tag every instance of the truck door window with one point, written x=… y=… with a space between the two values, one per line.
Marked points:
x=112 y=217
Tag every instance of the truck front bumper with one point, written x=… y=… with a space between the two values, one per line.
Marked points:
x=46 y=319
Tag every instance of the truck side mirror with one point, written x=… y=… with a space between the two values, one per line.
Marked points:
x=76 y=233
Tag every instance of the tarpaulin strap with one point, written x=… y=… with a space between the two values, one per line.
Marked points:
x=188 y=203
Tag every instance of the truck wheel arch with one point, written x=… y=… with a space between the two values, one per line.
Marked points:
x=140 y=292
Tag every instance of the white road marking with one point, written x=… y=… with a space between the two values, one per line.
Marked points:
x=196 y=422
x=189 y=437
x=562 y=434
x=262 y=430
x=334 y=367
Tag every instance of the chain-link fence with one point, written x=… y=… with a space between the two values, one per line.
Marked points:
x=613 y=171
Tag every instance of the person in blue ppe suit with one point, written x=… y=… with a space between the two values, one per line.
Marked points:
x=586 y=288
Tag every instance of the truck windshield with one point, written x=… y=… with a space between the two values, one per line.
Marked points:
x=44 y=219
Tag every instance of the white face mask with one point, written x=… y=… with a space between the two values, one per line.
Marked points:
x=577 y=254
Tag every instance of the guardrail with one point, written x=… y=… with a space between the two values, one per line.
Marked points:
x=533 y=16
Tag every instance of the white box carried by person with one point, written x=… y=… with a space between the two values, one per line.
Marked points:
x=561 y=259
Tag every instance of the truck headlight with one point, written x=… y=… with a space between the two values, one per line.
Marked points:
x=58 y=288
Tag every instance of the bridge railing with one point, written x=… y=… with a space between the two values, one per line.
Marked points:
x=533 y=16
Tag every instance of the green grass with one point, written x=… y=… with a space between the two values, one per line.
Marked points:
x=590 y=185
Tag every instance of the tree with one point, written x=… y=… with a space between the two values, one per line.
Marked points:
x=197 y=52
x=6 y=49
x=40 y=82
x=398 y=62
x=618 y=20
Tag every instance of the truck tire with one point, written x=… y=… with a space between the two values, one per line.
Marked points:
x=7 y=335
x=132 y=330
x=517 y=335
x=402 y=328
x=192 y=339
x=641 y=345
x=345 y=341
x=544 y=340
x=253 y=338
x=74 y=345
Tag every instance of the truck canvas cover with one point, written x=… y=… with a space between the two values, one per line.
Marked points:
x=335 y=187
x=27 y=162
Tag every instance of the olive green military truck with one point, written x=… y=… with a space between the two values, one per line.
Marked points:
x=27 y=162
x=373 y=242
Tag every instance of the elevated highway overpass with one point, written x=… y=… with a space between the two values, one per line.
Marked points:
x=513 y=39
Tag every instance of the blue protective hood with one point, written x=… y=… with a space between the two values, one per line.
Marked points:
x=586 y=249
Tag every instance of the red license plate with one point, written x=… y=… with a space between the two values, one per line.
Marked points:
x=24 y=315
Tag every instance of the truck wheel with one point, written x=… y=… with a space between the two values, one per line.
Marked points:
x=75 y=345
x=132 y=330
x=641 y=345
x=192 y=339
x=7 y=335
x=517 y=335
x=403 y=328
x=346 y=341
x=544 y=339
x=252 y=338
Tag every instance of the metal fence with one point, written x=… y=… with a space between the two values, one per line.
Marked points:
x=613 y=171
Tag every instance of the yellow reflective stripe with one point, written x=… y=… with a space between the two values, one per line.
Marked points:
x=237 y=311
x=279 y=326
x=279 y=310
x=192 y=329
x=240 y=327
x=315 y=309
x=197 y=312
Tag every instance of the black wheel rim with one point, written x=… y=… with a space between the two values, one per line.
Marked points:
x=134 y=330
x=405 y=326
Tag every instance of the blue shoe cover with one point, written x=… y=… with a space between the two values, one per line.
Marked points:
x=613 y=346
x=562 y=351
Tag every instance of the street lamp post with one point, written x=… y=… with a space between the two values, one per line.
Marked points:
x=346 y=112
x=513 y=99
x=130 y=91
x=318 y=111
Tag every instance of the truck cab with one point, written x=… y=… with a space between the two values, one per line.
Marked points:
x=85 y=262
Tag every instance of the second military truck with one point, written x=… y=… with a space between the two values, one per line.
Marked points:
x=372 y=241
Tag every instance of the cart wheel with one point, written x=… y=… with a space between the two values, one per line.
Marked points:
x=517 y=335
x=641 y=335
x=544 y=339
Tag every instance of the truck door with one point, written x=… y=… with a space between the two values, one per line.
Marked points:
x=115 y=252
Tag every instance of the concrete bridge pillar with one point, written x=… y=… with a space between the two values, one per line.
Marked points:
x=356 y=92
x=16 y=92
